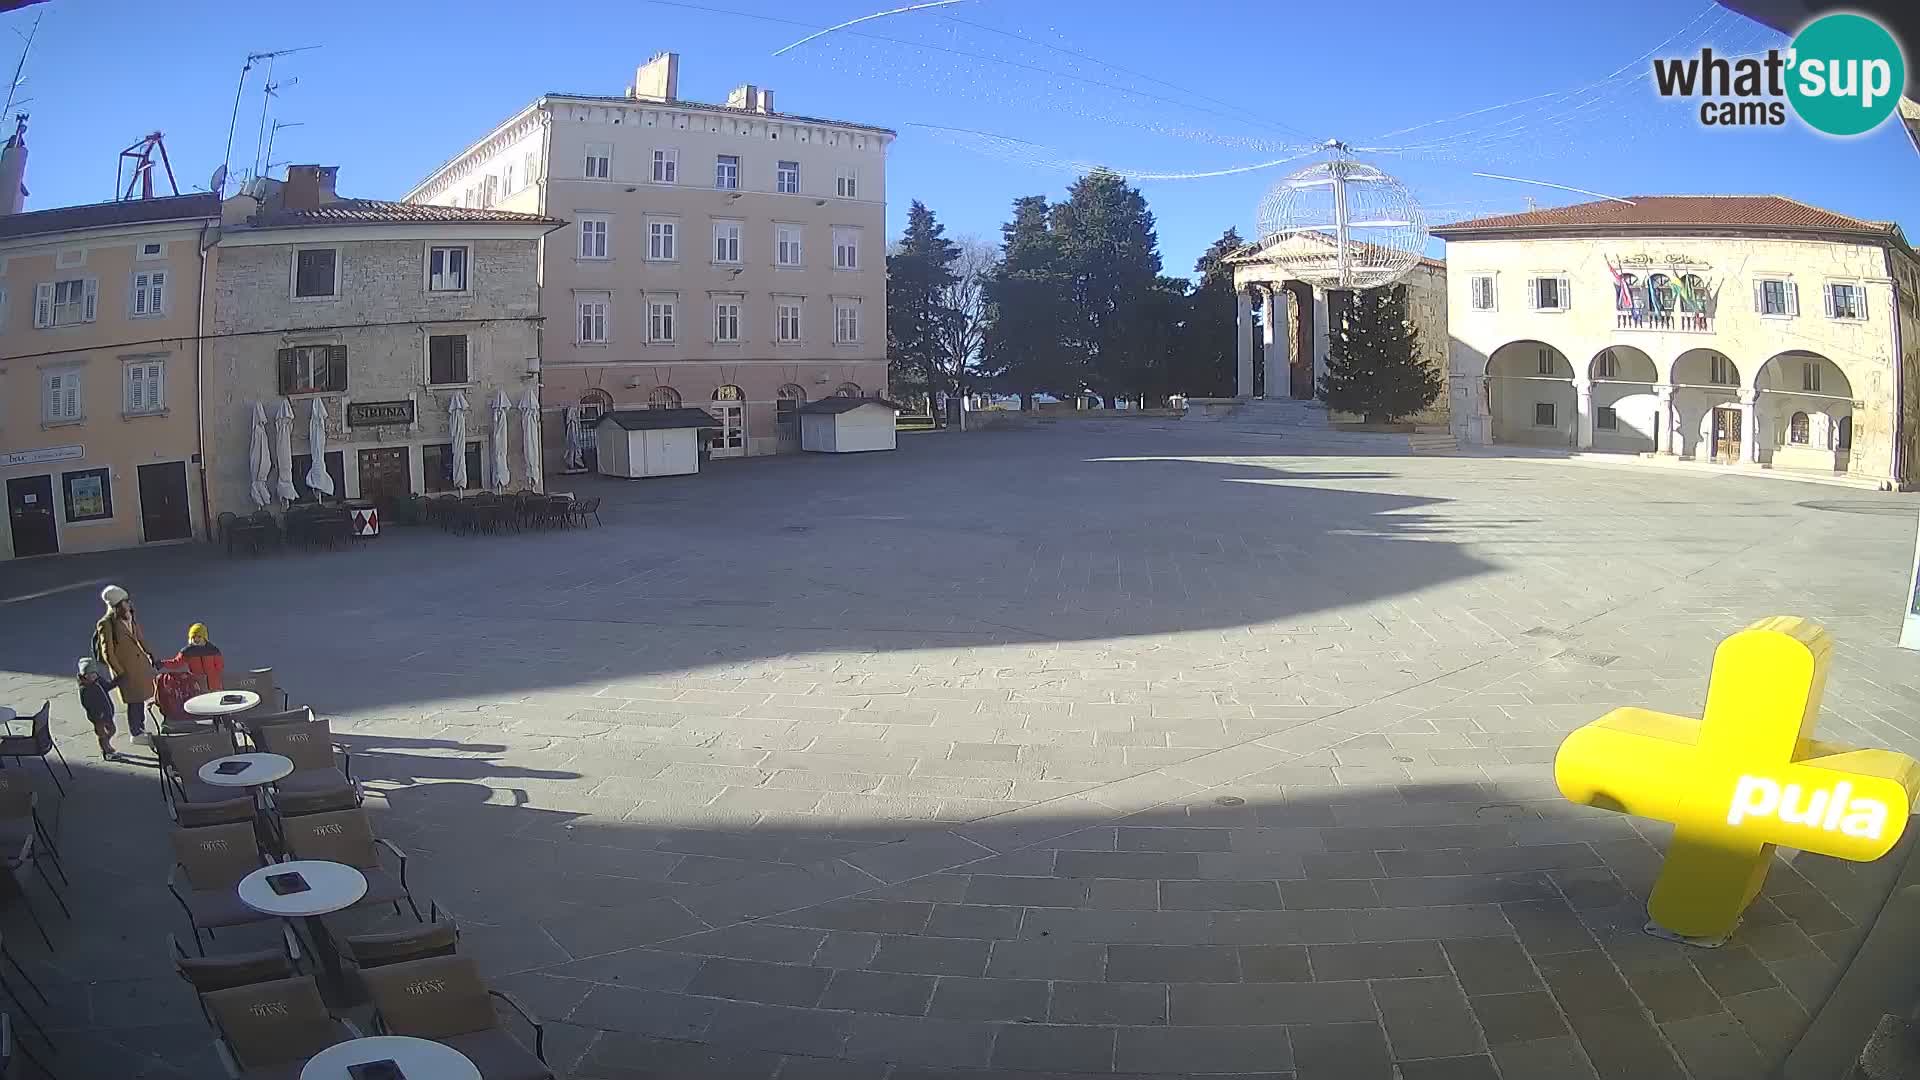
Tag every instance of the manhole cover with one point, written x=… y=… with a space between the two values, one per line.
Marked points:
x=1229 y=800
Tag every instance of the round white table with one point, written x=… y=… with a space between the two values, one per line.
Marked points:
x=418 y=1058
x=331 y=887
x=261 y=769
x=217 y=703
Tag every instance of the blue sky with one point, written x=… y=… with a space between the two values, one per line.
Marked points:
x=1200 y=86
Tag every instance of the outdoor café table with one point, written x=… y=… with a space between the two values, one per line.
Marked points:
x=261 y=770
x=220 y=703
x=6 y=718
x=417 y=1058
x=331 y=887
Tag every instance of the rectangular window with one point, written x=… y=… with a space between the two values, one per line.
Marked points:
x=846 y=321
x=149 y=293
x=660 y=320
x=60 y=400
x=506 y=180
x=1544 y=362
x=1606 y=419
x=726 y=321
x=666 y=166
x=846 y=249
x=726 y=241
x=1482 y=286
x=436 y=463
x=660 y=240
x=1721 y=373
x=599 y=164
x=1776 y=297
x=593 y=238
x=593 y=318
x=1846 y=301
x=786 y=178
x=1543 y=414
x=89 y=495
x=153 y=250
x=146 y=386
x=313 y=369
x=489 y=191
x=846 y=182
x=1550 y=294
x=726 y=172
x=787 y=322
x=530 y=167
x=1810 y=376
x=786 y=245
x=446 y=269
x=446 y=359
x=1605 y=366
x=65 y=303
x=314 y=273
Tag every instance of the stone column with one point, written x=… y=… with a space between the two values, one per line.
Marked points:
x=1749 y=426
x=1666 y=427
x=1273 y=337
x=1583 y=425
x=1245 y=356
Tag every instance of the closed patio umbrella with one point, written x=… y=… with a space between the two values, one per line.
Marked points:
x=576 y=456
x=318 y=479
x=259 y=459
x=457 y=433
x=498 y=408
x=283 y=449
x=530 y=436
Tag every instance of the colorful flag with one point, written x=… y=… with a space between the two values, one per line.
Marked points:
x=1622 y=292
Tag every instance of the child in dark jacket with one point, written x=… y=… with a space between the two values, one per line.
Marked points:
x=95 y=680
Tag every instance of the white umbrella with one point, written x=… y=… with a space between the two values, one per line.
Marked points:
x=318 y=478
x=576 y=456
x=530 y=436
x=457 y=433
x=498 y=407
x=259 y=459
x=283 y=448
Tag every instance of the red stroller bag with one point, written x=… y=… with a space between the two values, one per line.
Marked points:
x=171 y=689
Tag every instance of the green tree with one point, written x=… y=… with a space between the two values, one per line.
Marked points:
x=1207 y=363
x=1111 y=255
x=919 y=271
x=1024 y=349
x=1373 y=360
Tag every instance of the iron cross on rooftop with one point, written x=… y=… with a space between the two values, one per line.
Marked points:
x=1744 y=778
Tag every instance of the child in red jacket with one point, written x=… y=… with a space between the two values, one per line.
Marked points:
x=202 y=658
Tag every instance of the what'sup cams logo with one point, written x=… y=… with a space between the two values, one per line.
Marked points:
x=1843 y=74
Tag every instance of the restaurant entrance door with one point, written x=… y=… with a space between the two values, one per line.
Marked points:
x=385 y=474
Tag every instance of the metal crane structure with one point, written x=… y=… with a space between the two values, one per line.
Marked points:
x=141 y=175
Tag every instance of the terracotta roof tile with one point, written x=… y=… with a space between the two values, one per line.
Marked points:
x=101 y=215
x=381 y=212
x=1678 y=211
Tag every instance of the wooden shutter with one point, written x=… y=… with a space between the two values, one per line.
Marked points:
x=1759 y=297
x=1793 y=298
x=92 y=295
x=288 y=372
x=1566 y=293
x=336 y=380
x=1860 y=302
x=1826 y=293
x=43 y=304
x=1533 y=293
x=136 y=387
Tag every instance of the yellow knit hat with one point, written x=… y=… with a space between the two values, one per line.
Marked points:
x=197 y=634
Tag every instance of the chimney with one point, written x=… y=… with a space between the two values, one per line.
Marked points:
x=750 y=98
x=13 y=170
x=658 y=79
x=309 y=187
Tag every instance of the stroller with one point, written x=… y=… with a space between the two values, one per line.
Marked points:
x=172 y=686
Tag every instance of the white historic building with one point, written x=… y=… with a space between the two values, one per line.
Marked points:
x=1741 y=330
x=721 y=256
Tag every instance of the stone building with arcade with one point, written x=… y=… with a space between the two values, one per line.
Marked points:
x=1743 y=331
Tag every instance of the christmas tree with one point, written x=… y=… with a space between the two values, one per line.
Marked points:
x=1373 y=362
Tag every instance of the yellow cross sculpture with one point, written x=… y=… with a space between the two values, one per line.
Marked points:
x=1746 y=777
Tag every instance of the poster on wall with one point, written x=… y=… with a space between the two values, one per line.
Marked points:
x=1910 y=624
x=87 y=496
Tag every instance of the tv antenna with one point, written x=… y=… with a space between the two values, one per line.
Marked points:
x=252 y=58
x=141 y=154
x=267 y=93
x=20 y=68
x=267 y=169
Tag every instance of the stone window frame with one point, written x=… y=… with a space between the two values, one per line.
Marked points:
x=1493 y=291
x=427 y=337
x=426 y=268
x=1551 y=413
x=339 y=274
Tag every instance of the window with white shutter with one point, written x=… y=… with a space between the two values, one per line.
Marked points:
x=149 y=293
x=65 y=303
x=1776 y=297
x=1482 y=288
x=60 y=403
x=1845 y=300
x=146 y=386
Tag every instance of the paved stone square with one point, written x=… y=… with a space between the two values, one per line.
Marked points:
x=1127 y=747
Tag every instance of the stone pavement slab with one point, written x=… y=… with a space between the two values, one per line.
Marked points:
x=1142 y=750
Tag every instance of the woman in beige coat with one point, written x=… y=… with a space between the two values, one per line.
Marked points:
x=118 y=643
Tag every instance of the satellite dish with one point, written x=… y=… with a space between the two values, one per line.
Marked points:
x=218 y=185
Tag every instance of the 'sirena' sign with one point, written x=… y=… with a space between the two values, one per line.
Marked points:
x=1742 y=779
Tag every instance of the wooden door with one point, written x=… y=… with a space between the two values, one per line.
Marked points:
x=1726 y=435
x=165 y=513
x=385 y=474
x=30 y=514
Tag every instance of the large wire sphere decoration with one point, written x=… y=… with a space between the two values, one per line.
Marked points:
x=1386 y=231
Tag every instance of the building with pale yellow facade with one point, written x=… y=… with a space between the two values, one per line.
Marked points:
x=1748 y=331
x=728 y=257
x=100 y=369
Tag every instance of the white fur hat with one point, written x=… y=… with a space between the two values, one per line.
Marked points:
x=112 y=595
